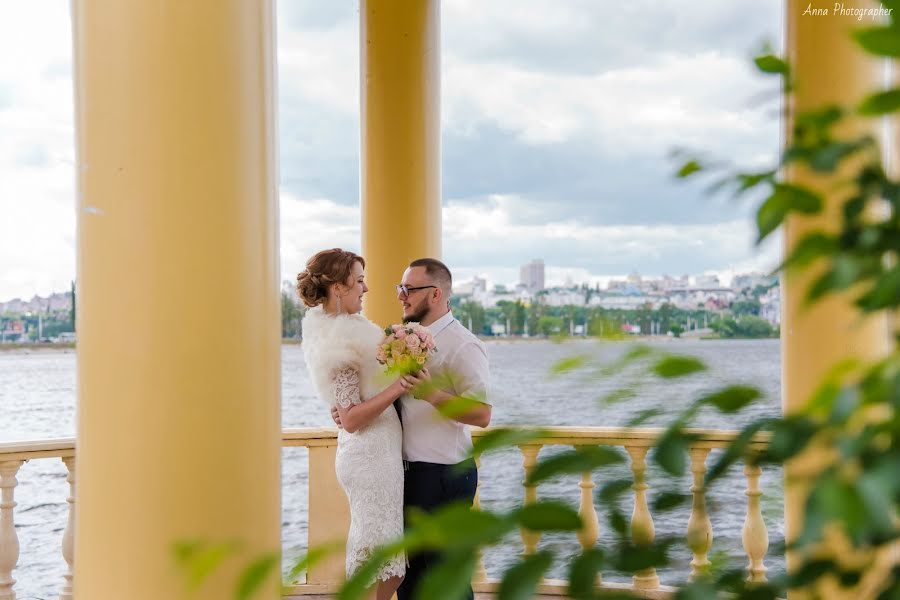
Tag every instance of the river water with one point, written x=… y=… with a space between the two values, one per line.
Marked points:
x=37 y=400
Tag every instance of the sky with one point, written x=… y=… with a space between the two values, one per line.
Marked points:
x=558 y=122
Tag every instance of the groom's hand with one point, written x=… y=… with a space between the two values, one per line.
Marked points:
x=420 y=384
x=336 y=416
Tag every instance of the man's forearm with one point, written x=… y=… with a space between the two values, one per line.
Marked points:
x=479 y=416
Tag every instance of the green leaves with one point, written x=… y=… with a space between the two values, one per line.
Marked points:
x=312 y=557
x=769 y=63
x=548 y=516
x=583 y=573
x=520 y=581
x=256 y=574
x=450 y=578
x=677 y=366
x=200 y=559
x=880 y=103
x=671 y=450
x=505 y=437
x=813 y=246
x=883 y=41
x=580 y=460
x=568 y=364
x=785 y=199
x=732 y=398
x=689 y=168
x=457 y=526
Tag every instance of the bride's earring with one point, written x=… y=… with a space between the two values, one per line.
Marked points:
x=338 y=305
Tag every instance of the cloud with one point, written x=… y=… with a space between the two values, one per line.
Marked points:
x=557 y=119
x=586 y=36
x=489 y=239
x=312 y=224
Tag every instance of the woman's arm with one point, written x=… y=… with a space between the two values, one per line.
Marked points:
x=355 y=412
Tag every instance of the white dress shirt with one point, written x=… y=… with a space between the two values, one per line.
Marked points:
x=461 y=366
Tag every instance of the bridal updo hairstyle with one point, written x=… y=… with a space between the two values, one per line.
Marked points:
x=322 y=270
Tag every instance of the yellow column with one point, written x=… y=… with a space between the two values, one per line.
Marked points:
x=829 y=69
x=178 y=322
x=400 y=143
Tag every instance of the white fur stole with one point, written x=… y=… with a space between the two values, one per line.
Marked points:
x=331 y=343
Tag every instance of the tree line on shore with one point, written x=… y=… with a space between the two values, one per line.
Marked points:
x=741 y=320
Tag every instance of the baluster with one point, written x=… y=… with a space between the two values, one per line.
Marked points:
x=755 y=535
x=68 y=541
x=480 y=574
x=590 y=532
x=9 y=540
x=530 y=539
x=699 y=531
x=642 y=530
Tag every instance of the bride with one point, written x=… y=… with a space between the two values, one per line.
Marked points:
x=339 y=346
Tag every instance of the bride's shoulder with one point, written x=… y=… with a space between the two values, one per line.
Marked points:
x=342 y=327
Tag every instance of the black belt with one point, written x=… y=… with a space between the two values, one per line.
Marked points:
x=417 y=466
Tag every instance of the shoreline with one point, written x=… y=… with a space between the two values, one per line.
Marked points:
x=51 y=346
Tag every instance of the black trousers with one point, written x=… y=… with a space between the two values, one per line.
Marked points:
x=429 y=486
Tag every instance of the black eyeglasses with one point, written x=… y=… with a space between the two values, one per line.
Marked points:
x=404 y=290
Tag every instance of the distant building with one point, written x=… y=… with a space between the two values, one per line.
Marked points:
x=558 y=297
x=707 y=282
x=13 y=332
x=752 y=280
x=532 y=275
x=770 y=306
x=476 y=286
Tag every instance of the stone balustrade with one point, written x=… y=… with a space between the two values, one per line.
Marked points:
x=329 y=514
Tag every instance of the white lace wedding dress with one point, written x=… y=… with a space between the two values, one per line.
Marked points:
x=340 y=355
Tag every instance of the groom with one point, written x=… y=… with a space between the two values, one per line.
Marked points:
x=434 y=446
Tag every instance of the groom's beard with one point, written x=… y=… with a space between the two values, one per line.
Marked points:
x=418 y=315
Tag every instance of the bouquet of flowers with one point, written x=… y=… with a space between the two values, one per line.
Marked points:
x=405 y=348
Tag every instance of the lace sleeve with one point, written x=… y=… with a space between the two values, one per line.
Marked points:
x=346 y=387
